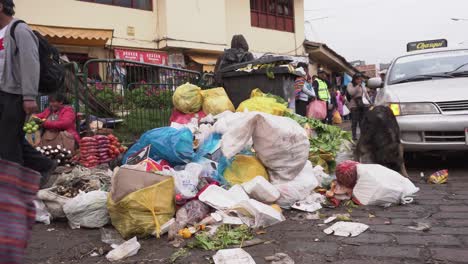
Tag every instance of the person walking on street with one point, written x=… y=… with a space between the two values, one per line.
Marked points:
x=304 y=91
x=19 y=85
x=359 y=102
x=321 y=90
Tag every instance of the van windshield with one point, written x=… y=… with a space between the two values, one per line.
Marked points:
x=433 y=64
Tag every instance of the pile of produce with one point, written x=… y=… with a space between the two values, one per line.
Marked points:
x=61 y=155
x=89 y=152
x=81 y=179
x=115 y=148
x=326 y=144
x=32 y=126
x=103 y=146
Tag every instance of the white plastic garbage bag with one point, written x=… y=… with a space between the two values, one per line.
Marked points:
x=297 y=189
x=87 y=210
x=262 y=190
x=53 y=202
x=233 y=256
x=125 y=250
x=42 y=215
x=378 y=185
x=280 y=143
x=258 y=215
x=186 y=180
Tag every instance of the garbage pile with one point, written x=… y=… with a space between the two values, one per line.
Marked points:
x=215 y=175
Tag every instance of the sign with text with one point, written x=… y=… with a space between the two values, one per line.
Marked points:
x=159 y=58
x=426 y=44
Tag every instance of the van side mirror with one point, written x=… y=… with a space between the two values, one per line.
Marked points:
x=374 y=83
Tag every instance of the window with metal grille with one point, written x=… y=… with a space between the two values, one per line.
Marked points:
x=137 y=4
x=272 y=14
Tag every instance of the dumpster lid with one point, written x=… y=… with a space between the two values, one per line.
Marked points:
x=262 y=60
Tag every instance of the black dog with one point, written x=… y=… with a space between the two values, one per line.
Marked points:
x=380 y=140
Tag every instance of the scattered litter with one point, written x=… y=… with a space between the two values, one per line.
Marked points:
x=111 y=237
x=305 y=216
x=50 y=229
x=223 y=237
x=258 y=215
x=339 y=217
x=346 y=229
x=125 y=250
x=422 y=174
x=310 y=204
x=253 y=242
x=439 y=177
x=179 y=254
x=221 y=199
x=280 y=258
x=421 y=227
x=94 y=254
x=233 y=256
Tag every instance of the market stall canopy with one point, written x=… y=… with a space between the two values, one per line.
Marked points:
x=74 y=36
x=322 y=54
x=207 y=60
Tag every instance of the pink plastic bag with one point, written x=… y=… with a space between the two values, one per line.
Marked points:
x=181 y=118
x=317 y=109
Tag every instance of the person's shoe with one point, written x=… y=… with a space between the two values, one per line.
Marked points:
x=48 y=178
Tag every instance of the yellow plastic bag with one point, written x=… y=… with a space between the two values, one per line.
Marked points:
x=257 y=93
x=262 y=104
x=337 y=118
x=142 y=213
x=216 y=101
x=243 y=169
x=188 y=99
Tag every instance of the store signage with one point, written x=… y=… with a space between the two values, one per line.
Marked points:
x=159 y=58
x=426 y=44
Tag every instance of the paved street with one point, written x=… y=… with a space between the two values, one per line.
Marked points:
x=389 y=239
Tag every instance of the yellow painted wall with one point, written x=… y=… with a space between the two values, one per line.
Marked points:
x=265 y=40
x=73 y=13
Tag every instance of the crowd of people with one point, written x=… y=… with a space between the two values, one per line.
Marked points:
x=317 y=98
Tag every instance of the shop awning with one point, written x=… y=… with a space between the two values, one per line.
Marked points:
x=74 y=36
x=207 y=60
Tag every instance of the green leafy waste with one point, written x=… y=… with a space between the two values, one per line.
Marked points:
x=179 y=254
x=328 y=140
x=225 y=236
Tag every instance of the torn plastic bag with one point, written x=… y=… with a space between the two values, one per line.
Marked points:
x=233 y=256
x=378 y=185
x=186 y=181
x=53 y=202
x=87 y=210
x=221 y=199
x=181 y=118
x=143 y=212
x=191 y=213
x=257 y=215
x=261 y=190
x=280 y=143
x=167 y=143
x=216 y=101
x=244 y=168
x=42 y=215
x=125 y=250
x=187 y=98
x=297 y=189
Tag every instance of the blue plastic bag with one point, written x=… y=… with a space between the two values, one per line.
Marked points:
x=172 y=145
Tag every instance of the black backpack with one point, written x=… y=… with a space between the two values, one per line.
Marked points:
x=52 y=74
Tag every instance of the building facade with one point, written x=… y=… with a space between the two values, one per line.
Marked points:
x=184 y=33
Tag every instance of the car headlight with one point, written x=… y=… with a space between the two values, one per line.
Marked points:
x=413 y=109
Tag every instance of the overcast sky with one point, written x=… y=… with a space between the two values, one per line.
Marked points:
x=378 y=30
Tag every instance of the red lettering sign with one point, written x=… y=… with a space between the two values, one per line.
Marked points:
x=159 y=58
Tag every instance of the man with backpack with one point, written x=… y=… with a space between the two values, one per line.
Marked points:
x=20 y=77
